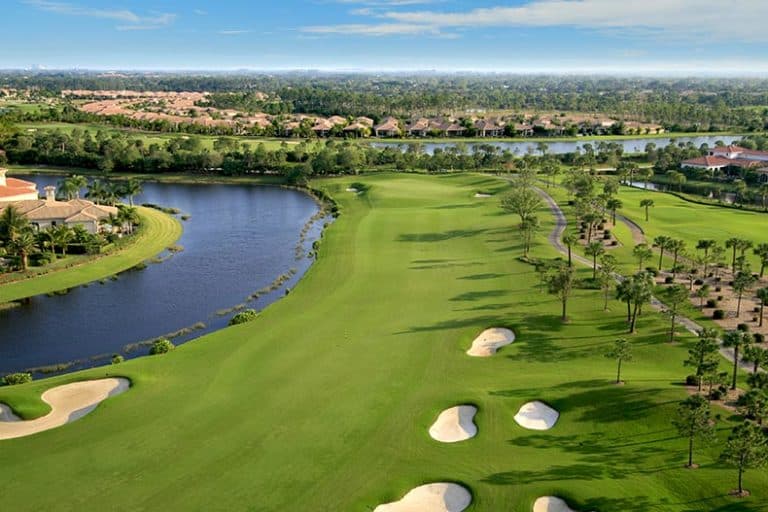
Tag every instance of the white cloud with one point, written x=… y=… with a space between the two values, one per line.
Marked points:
x=233 y=32
x=129 y=19
x=377 y=30
x=741 y=20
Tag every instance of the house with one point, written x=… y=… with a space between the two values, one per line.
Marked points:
x=337 y=120
x=322 y=127
x=721 y=157
x=44 y=213
x=358 y=129
x=523 y=129
x=389 y=128
x=418 y=128
x=488 y=128
x=13 y=189
x=452 y=129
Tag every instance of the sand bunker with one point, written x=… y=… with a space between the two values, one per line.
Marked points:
x=537 y=416
x=455 y=424
x=352 y=189
x=551 y=504
x=438 y=497
x=480 y=194
x=490 y=340
x=69 y=403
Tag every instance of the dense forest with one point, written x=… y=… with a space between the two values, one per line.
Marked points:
x=682 y=104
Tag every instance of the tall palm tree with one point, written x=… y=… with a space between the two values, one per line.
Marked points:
x=705 y=245
x=96 y=191
x=646 y=203
x=762 y=294
x=68 y=188
x=614 y=204
x=80 y=182
x=761 y=251
x=737 y=340
x=737 y=244
x=63 y=235
x=663 y=242
x=677 y=247
x=594 y=249
x=131 y=189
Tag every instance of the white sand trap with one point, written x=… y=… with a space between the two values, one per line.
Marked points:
x=551 y=504
x=479 y=194
x=455 y=424
x=537 y=416
x=438 y=497
x=69 y=403
x=352 y=189
x=491 y=340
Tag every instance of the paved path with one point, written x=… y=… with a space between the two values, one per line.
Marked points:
x=638 y=234
x=555 y=239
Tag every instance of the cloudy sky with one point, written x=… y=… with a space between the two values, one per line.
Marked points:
x=648 y=36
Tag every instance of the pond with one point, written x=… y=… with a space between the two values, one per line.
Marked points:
x=238 y=240
x=558 y=148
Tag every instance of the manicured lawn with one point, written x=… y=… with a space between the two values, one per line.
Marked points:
x=323 y=403
x=158 y=231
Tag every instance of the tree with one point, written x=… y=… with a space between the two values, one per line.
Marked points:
x=741 y=283
x=754 y=405
x=605 y=277
x=613 y=204
x=677 y=247
x=674 y=297
x=737 y=340
x=704 y=355
x=12 y=222
x=678 y=179
x=702 y=293
x=737 y=244
x=757 y=356
x=646 y=203
x=762 y=294
x=569 y=240
x=594 y=249
x=705 y=245
x=63 y=235
x=746 y=449
x=528 y=229
x=694 y=420
x=524 y=201
x=131 y=189
x=560 y=282
x=642 y=253
x=621 y=351
x=761 y=251
x=640 y=292
x=22 y=246
x=663 y=243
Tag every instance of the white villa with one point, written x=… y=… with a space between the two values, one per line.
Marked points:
x=43 y=213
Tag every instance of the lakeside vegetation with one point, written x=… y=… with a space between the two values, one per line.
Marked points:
x=441 y=265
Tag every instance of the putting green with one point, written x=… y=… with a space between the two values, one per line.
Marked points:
x=324 y=403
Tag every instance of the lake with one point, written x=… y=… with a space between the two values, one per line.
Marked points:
x=558 y=148
x=238 y=240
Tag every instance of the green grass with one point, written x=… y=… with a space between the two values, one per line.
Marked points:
x=323 y=403
x=157 y=232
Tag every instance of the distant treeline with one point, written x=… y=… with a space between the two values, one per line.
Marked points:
x=678 y=104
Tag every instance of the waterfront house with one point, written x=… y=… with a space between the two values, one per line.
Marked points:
x=13 y=189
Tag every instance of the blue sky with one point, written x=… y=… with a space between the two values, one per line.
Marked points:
x=640 y=36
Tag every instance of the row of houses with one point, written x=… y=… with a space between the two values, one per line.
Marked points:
x=722 y=158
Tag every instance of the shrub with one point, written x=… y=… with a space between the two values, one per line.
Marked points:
x=698 y=282
x=243 y=317
x=719 y=297
x=17 y=378
x=718 y=288
x=716 y=394
x=756 y=309
x=718 y=314
x=161 y=346
x=606 y=236
x=759 y=338
x=607 y=232
x=691 y=380
x=743 y=327
x=117 y=359
x=652 y=271
x=711 y=303
x=615 y=242
x=669 y=280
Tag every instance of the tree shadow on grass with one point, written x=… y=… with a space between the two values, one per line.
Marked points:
x=474 y=296
x=486 y=320
x=456 y=206
x=440 y=237
x=478 y=277
x=444 y=264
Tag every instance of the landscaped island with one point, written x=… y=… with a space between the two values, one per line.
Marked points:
x=420 y=267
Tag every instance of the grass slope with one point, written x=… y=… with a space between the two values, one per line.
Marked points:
x=158 y=231
x=323 y=403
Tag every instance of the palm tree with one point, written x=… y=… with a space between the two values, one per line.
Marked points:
x=68 y=188
x=23 y=245
x=763 y=192
x=674 y=297
x=677 y=247
x=97 y=191
x=741 y=283
x=737 y=340
x=131 y=189
x=129 y=217
x=663 y=243
x=678 y=179
x=702 y=293
x=693 y=419
x=642 y=252
x=646 y=203
x=608 y=264
x=737 y=244
x=613 y=204
x=757 y=355
x=621 y=351
x=80 y=182
x=594 y=249
x=762 y=294
x=12 y=222
x=761 y=251
x=704 y=355
x=705 y=245
x=646 y=173
x=570 y=239
x=63 y=235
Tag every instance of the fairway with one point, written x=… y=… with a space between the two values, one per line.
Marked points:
x=325 y=402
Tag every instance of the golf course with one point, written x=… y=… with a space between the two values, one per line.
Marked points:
x=328 y=401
